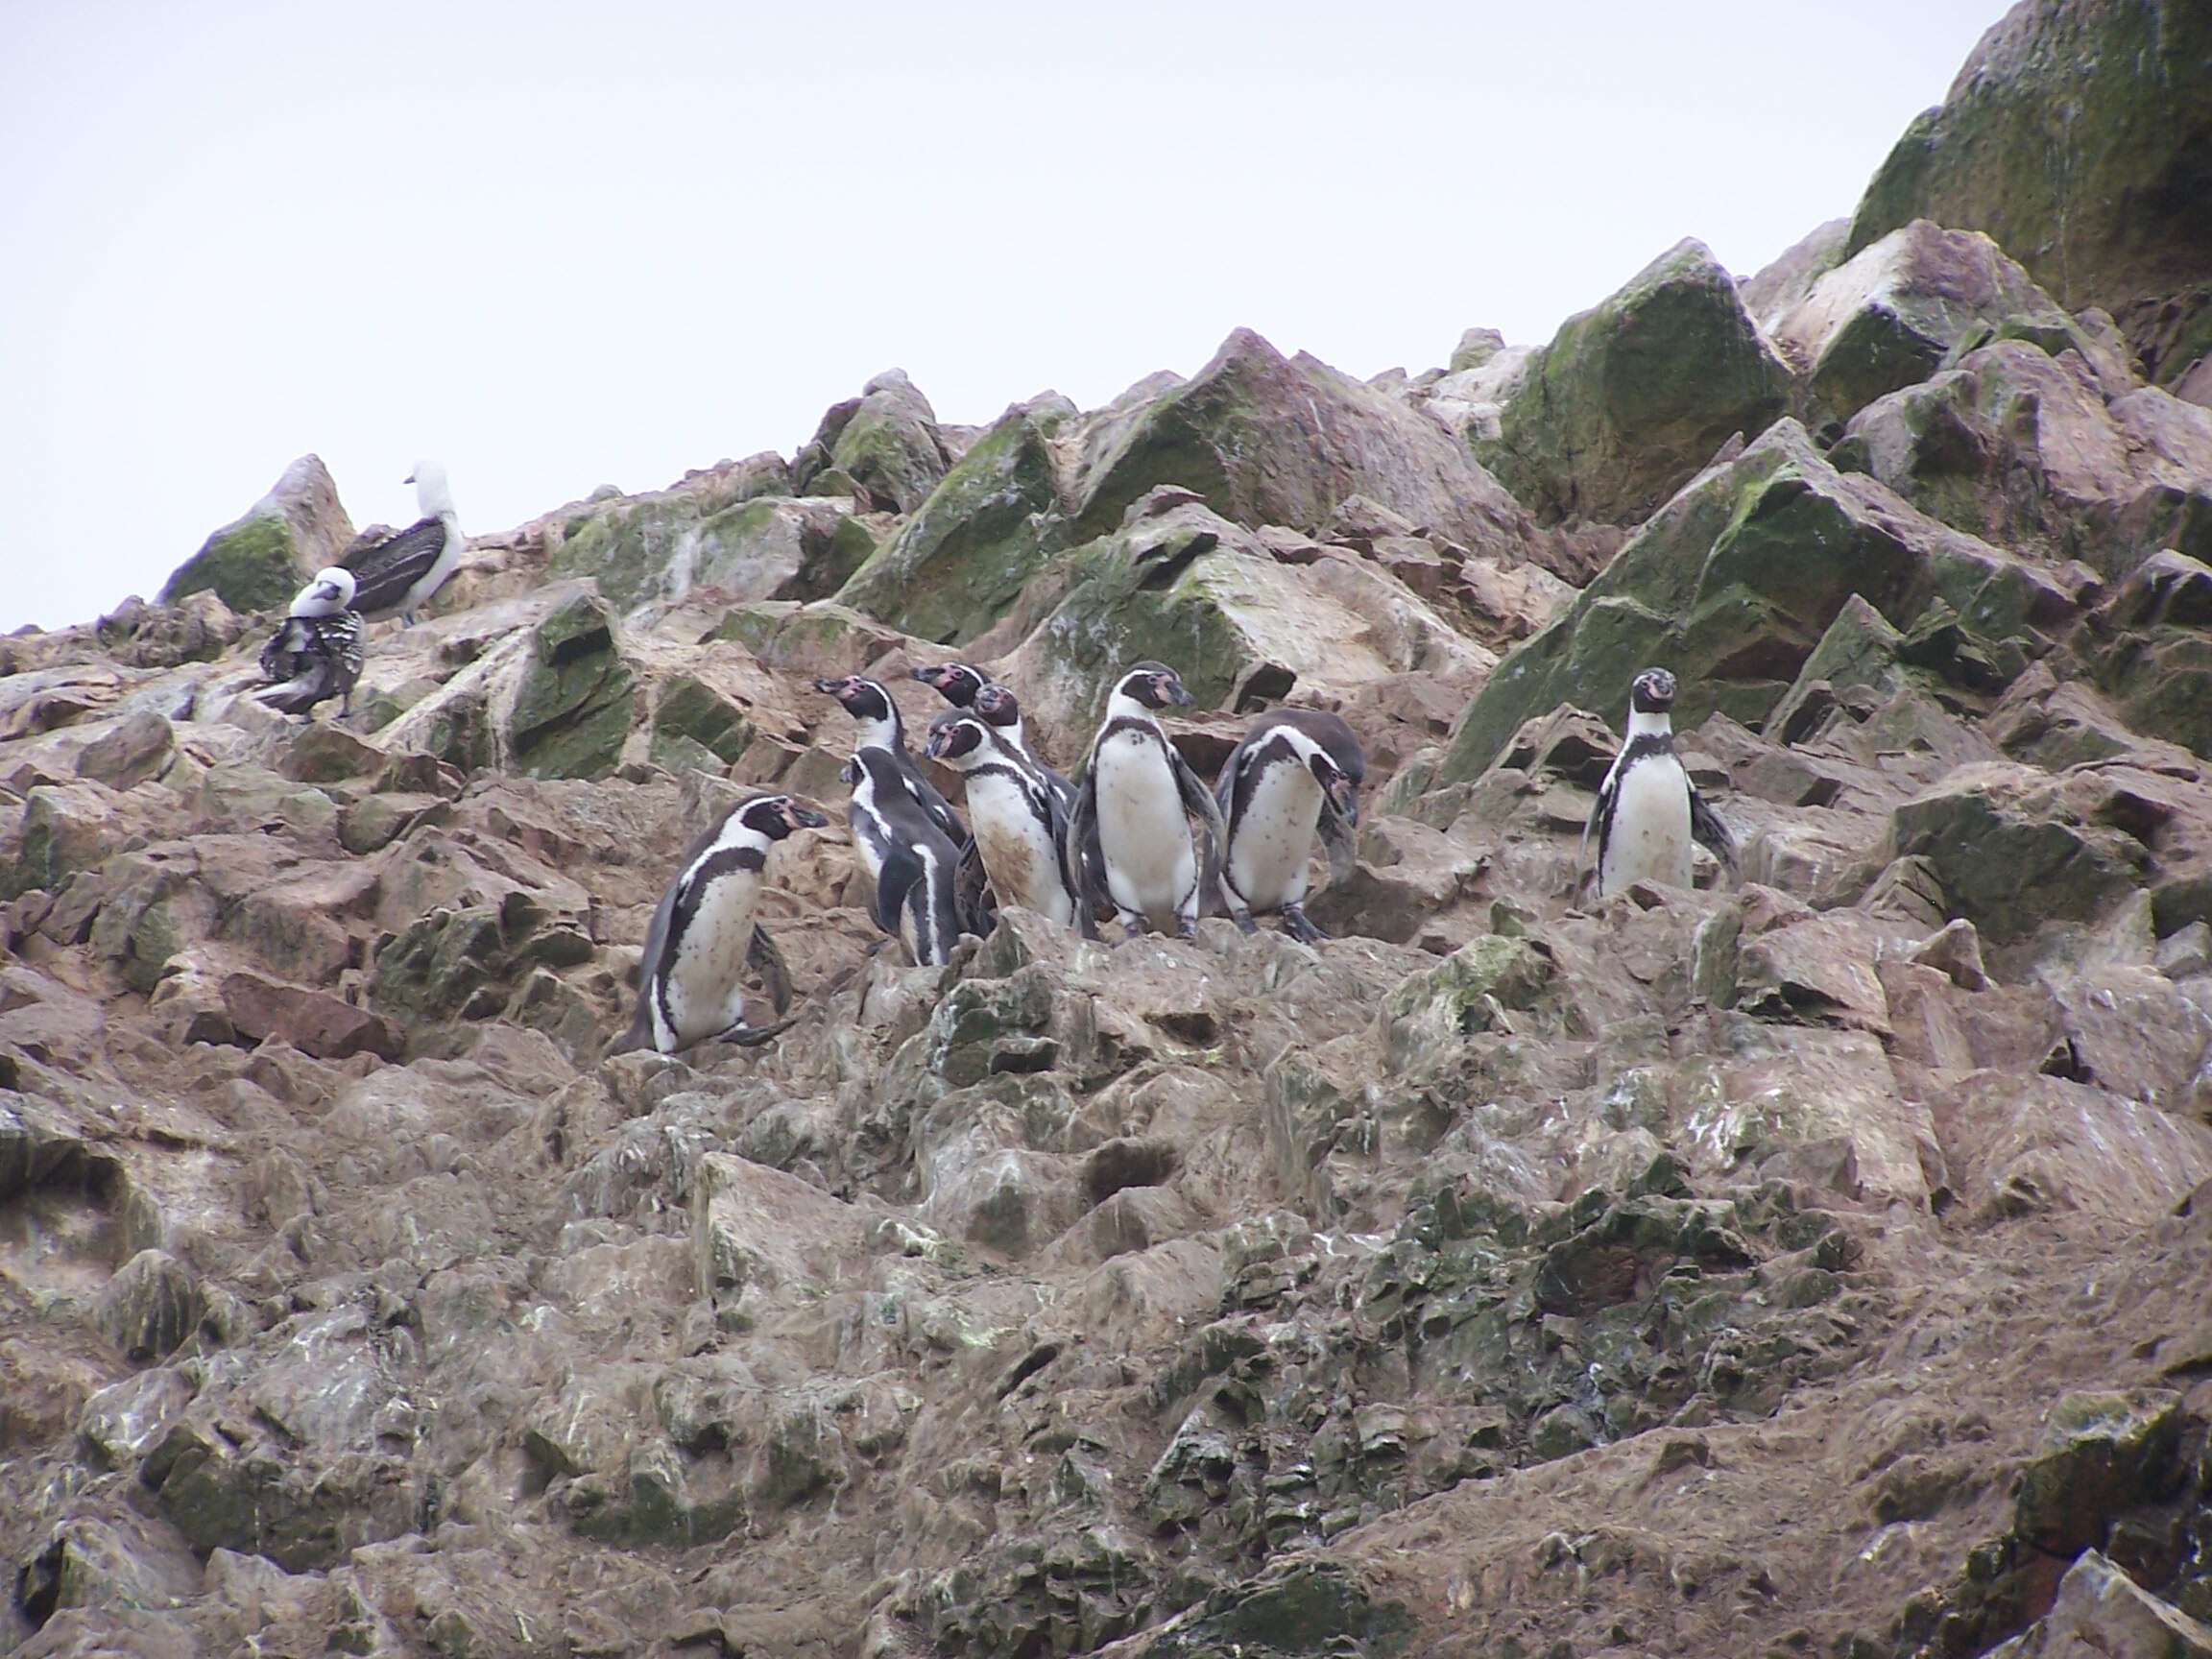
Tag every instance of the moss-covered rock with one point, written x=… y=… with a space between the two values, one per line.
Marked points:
x=1732 y=585
x=1634 y=395
x=572 y=709
x=2075 y=135
x=884 y=445
x=2024 y=450
x=2149 y=649
x=259 y=560
x=1268 y=439
x=694 y=724
x=1895 y=312
x=1424 y=1018
x=67 y=827
x=714 y=529
x=955 y=566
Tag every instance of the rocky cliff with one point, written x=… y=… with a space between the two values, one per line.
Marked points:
x=1818 y=1264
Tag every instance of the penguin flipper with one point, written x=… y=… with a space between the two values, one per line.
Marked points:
x=1600 y=821
x=973 y=898
x=1708 y=831
x=1082 y=859
x=1202 y=805
x=901 y=869
x=768 y=962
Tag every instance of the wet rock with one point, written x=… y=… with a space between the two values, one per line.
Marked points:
x=1632 y=398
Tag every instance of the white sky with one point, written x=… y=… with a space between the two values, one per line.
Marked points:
x=559 y=245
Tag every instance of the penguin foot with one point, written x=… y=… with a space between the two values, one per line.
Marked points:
x=1133 y=928
x=1185 y=928
x=1244 y=922
x=751 y=1036
x=1295 y=924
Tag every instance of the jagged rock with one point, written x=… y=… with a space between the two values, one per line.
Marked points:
x=2100 y=1453
x=312 y=1022
x=573 y=704
x=757 y=1229
x=1179 y=584
x=1955 y=951
x=2150 y=650
x=735 y=529
x=1269 y=440
x=1778 y=288
x=2021 y=449
x=2013 y=847
x=1888 y=316
x=129 y=753
x=2101 y=1611
x=962 y=560
x=1471 y=990
x=2073 y=135
x=885 y=443
x=65 y=828
x=150 y=1306
x=258 y=560
x=1632 y=398
x=1733 y=584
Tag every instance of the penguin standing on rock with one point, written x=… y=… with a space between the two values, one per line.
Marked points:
x=999 y=708
x=1648 y=811
x=315 y=654
x=880 y=727
x=1296 y=771
x=1129 y=840
x=703 y=934
x=912 y=861
x=1020 y=829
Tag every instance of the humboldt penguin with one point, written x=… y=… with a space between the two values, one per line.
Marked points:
x=1021 y=829
x=315 y=653
x=879 y=727
x=1297 y=770
x=703 y=935
x=1129 y=840
x=1648 y=811
x=1002 y=708
x=398 y=574
x=912 y=861
x=958 y=682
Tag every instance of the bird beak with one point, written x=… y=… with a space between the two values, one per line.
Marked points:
x=934 y=747
x=829 y=686
x=1170 y=689
x=927 y=676
x=802 y=817
x=1346 y=801
x=409 y=479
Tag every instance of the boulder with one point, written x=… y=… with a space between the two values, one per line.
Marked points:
x=736 y=528
x=1778 y=287
x=2100 y=1610
x=1268 y=439
x=1179 y=584
x=573 y=704
x=313 y=1022
x=885 y=445
x=1632 y=398
x=1888 y=316
x=2023 y=449
x=2074 y=135
x=133 y=750
x=962 y=560
x=2150 y=650
x=1732 y=585
x=260 y=559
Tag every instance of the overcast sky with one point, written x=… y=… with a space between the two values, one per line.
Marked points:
x=563 y=245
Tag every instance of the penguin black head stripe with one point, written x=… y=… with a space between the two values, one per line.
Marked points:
x=777 y=816
x=954 y=733
x=958 y=682
x=999 y=705
x=863 y=699
x=1653 y=692
x=1154 y=685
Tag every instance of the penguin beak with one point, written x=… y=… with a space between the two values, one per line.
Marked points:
x=934 y=747
x=802 y=817
x=1169 y=689
x=927 y=676
x=409 y=479
x=1343 y=798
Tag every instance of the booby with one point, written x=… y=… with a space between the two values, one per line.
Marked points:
x=703 y=934
x=399 y=573
x=315 y=653
x=1021 y=830
x=1648 y=811
x=1297 y=770
x=1129 y=838
x=907 y=854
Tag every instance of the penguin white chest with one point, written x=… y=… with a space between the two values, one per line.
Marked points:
x=1150 y=863
x=1649 y=836
x=706 y=991
x=1271 y=844
x=1016 y=849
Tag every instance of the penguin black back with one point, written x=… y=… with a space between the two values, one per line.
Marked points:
x=914 y=863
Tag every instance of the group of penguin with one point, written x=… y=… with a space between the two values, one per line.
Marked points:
x=1117 y=839
x=317 y=651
